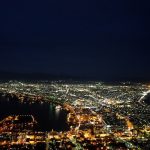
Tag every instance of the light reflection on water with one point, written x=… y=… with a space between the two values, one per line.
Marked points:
x=47 y=116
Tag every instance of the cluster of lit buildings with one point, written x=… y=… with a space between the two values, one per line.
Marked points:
x=101 y=116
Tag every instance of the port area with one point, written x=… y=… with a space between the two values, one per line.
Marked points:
x=99 y=117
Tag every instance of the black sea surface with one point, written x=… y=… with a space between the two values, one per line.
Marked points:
x=47 y=116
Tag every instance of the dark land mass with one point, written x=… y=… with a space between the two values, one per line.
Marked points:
x=6 y=76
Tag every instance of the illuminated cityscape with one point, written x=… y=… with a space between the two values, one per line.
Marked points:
x=74 y=75
x=99 y=115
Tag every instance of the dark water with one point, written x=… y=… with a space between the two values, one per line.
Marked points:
x=46 y=115
x=147 y=99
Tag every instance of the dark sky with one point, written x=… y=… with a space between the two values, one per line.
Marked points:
x=88 y=38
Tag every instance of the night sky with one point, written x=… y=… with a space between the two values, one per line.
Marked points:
x=103 y=39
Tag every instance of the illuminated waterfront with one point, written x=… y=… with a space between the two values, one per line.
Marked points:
x=97 y=115
x=47 y=116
